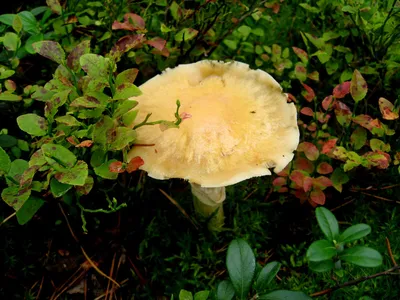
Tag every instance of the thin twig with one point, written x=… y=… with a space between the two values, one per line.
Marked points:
x=377 y=197
x=389 y=248
x=344 y=204
x=356 y=281
x=108 y=292
x=8 y=218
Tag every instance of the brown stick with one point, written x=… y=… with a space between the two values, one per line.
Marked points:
x=356 y=281
x=389 y=248
x=377 y=197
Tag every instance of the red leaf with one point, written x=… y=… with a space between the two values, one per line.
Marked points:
x=301 y=194
x=308 y=94
x=301 y=54
x=72 y=140
x=274 y=6
x=343 y=113
x=328 y=102
x=378 y=159
x=367 y=122
x=285 y=171
x=116 y=167
x=307 y=111
x=301 y=163
x=317 y=196
x=312 y=127
x=324 y=168
x=309 y=149
x=283 y=189
x=134 y=164
x=131 y=22
x=323 y=118
x=279 y=181
x=328 y=146
x=358 y=86
x=297 y=177
x=341 y=90
x=307 y=183
x=291 y=98
x=386 y=108
x=157 y=43
x=322 y=182
x=85 y=144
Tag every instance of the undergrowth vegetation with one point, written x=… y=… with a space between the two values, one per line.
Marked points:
x=80 y=221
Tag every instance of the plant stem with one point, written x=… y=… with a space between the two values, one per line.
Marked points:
x=208 y=203
x=356 y=281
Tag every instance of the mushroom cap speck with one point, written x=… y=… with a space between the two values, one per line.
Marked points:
x=240 y=124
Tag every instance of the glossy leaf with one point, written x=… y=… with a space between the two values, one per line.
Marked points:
x=266 y=275
x=29 y=209
x=225 y=290
x=134 y=164
x=5 y=162
x=127 y=76
x=126 y=90
x=15 y=197
x=58 y=156
x=307 y=111
x=241 y=264
x=123 y=137
x=74 y=176
x=321 y=266
x=355 y=232
x=321 y=250
x=308 y=93
x=95 y=65
x=328 y=146
x=58 y=189
x=328 y=223
x=284 y=295
x=362 y=256
x=328 y=102
x=104 y=170
x=202 y=295
x=358 y=86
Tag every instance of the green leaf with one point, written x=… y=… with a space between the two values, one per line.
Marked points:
x=68 y=120
x=123 y=137
x=202 y=295
x=129 y=117
x=358 y=138
x=6 y=73
x=97 y=158
x=185 y=295
x=11 y=41
x=31 y=40
x=225 y=290
x=7 y=141
x=377 y=144
x=186 y=34
x=32 y=124
x=37 y=159
x=7 y=96
x=17 y=24
x=51 y=50
x=104 y=131
x=87 y=102
x=241 y=264
x=104 y=172
x=23 y=145
x=17 y=168
x=5 y=162
x=266 y=275
x=339 y=178
x=284 y=295
x=58 y=189
x=7 y=19
x=94 y=65
x=358 y=86
x=362 y=256
x=87 y=187
x=15 y=197
x=73 y=59
x=74 y=176
x=127 y=76
x=355 y=232
x=321 y=250
x=58 y=156
x=124 y=107
x=56 y=101
x=321 y=266
x=29 y=22
x=126 y=90
x=327 y=222
x=29 y=209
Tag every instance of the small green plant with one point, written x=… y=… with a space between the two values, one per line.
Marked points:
x=327 y=254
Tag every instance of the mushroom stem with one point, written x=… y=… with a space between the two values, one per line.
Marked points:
x=208 y=202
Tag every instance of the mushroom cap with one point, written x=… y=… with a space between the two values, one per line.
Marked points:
x=240 y=126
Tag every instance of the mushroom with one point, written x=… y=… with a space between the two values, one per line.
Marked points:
x=238 y=125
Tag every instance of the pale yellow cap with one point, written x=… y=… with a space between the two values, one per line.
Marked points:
x=240 y=126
